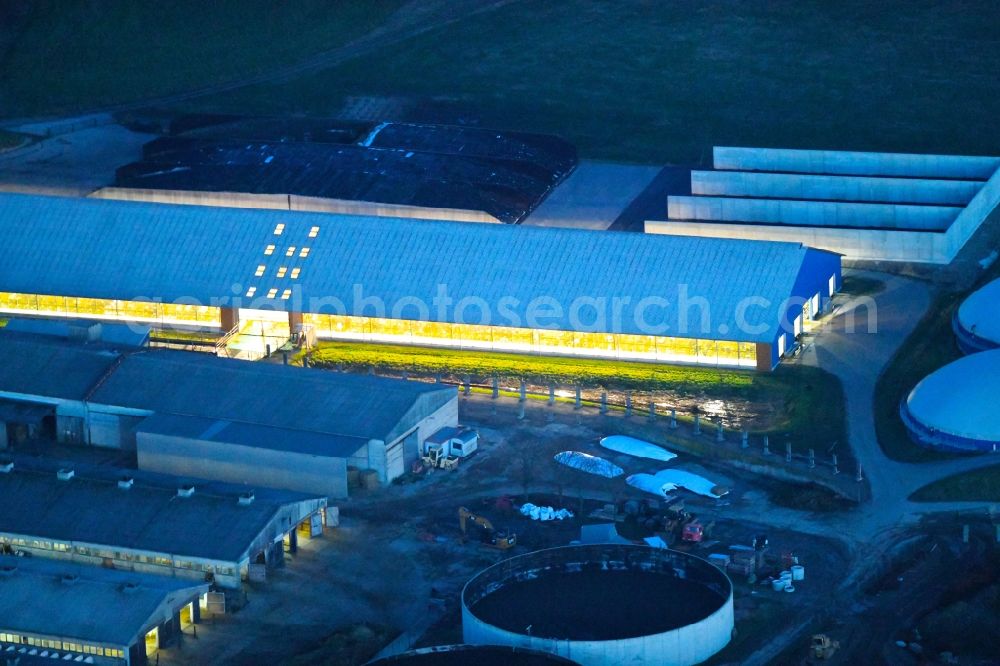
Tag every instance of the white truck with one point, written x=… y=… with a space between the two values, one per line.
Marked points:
x=452 y=442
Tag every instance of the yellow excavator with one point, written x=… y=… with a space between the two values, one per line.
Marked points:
x=823 y=647
x=499 y=539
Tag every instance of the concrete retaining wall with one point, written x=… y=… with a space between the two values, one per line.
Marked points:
x=291 y=202
x=854 y=163
x=860 y=244
x=834 y=188
x=969 y=220
x=812 y=213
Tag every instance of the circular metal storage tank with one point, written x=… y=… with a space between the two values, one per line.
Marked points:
x=603 y=604
x=955 y=407
x=977 y=321
x=480 y=655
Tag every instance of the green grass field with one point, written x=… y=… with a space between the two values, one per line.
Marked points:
x=929 y=347
x=980 y=486
x=193 y=336
x=70 y=56
x=632 y=81
x=806 y=402
x=565 y=370
x=663 y=82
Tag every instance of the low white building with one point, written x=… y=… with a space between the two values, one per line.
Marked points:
x=58 y=612
x=149 y=523
x=198 y=415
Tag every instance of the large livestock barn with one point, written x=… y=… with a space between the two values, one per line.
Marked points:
x=196 y=415
x=714 y=302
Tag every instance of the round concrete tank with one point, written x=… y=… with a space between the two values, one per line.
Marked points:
x=955 y=407
x=977 y=321
x=603 y=604
x=480 y=655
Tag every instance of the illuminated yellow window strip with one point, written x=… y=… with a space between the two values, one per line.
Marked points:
x=269 y=250
x=260 y=270
x=622 y=346
x=313 y=232
x=498 y=338
x=290 y=252
x=102 y=308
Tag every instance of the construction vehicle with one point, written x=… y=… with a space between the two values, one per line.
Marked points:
x=446 y=447
x=674 y=523
x=488 y=536
x=696 y=531
x=822 y=647
x=436 y=458
x=665 y=519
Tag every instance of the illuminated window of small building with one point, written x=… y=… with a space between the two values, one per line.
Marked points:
x=314 y=232
x=290 y=251
x=271 y=293
x=251 y=291
x=269 y=250
x=286 y=294
x=282 y=270
x=295 y=273
x=260 y=270
x=279 y=229
x=304 y=252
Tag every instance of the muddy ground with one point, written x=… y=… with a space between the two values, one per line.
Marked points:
x=399 y=560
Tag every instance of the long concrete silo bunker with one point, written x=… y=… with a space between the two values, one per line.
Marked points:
x=603 y=604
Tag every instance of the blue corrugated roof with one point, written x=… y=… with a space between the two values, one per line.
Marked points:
x=43 y=366
x=306 y=409
x=126 y=335
x=253 y=435
x=96 y=607
x=91 y=508
x=276 y=396
x=127 y=250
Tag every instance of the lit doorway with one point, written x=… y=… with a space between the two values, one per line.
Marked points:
x=260 y=331
x=152 y=641
x=187 y=616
